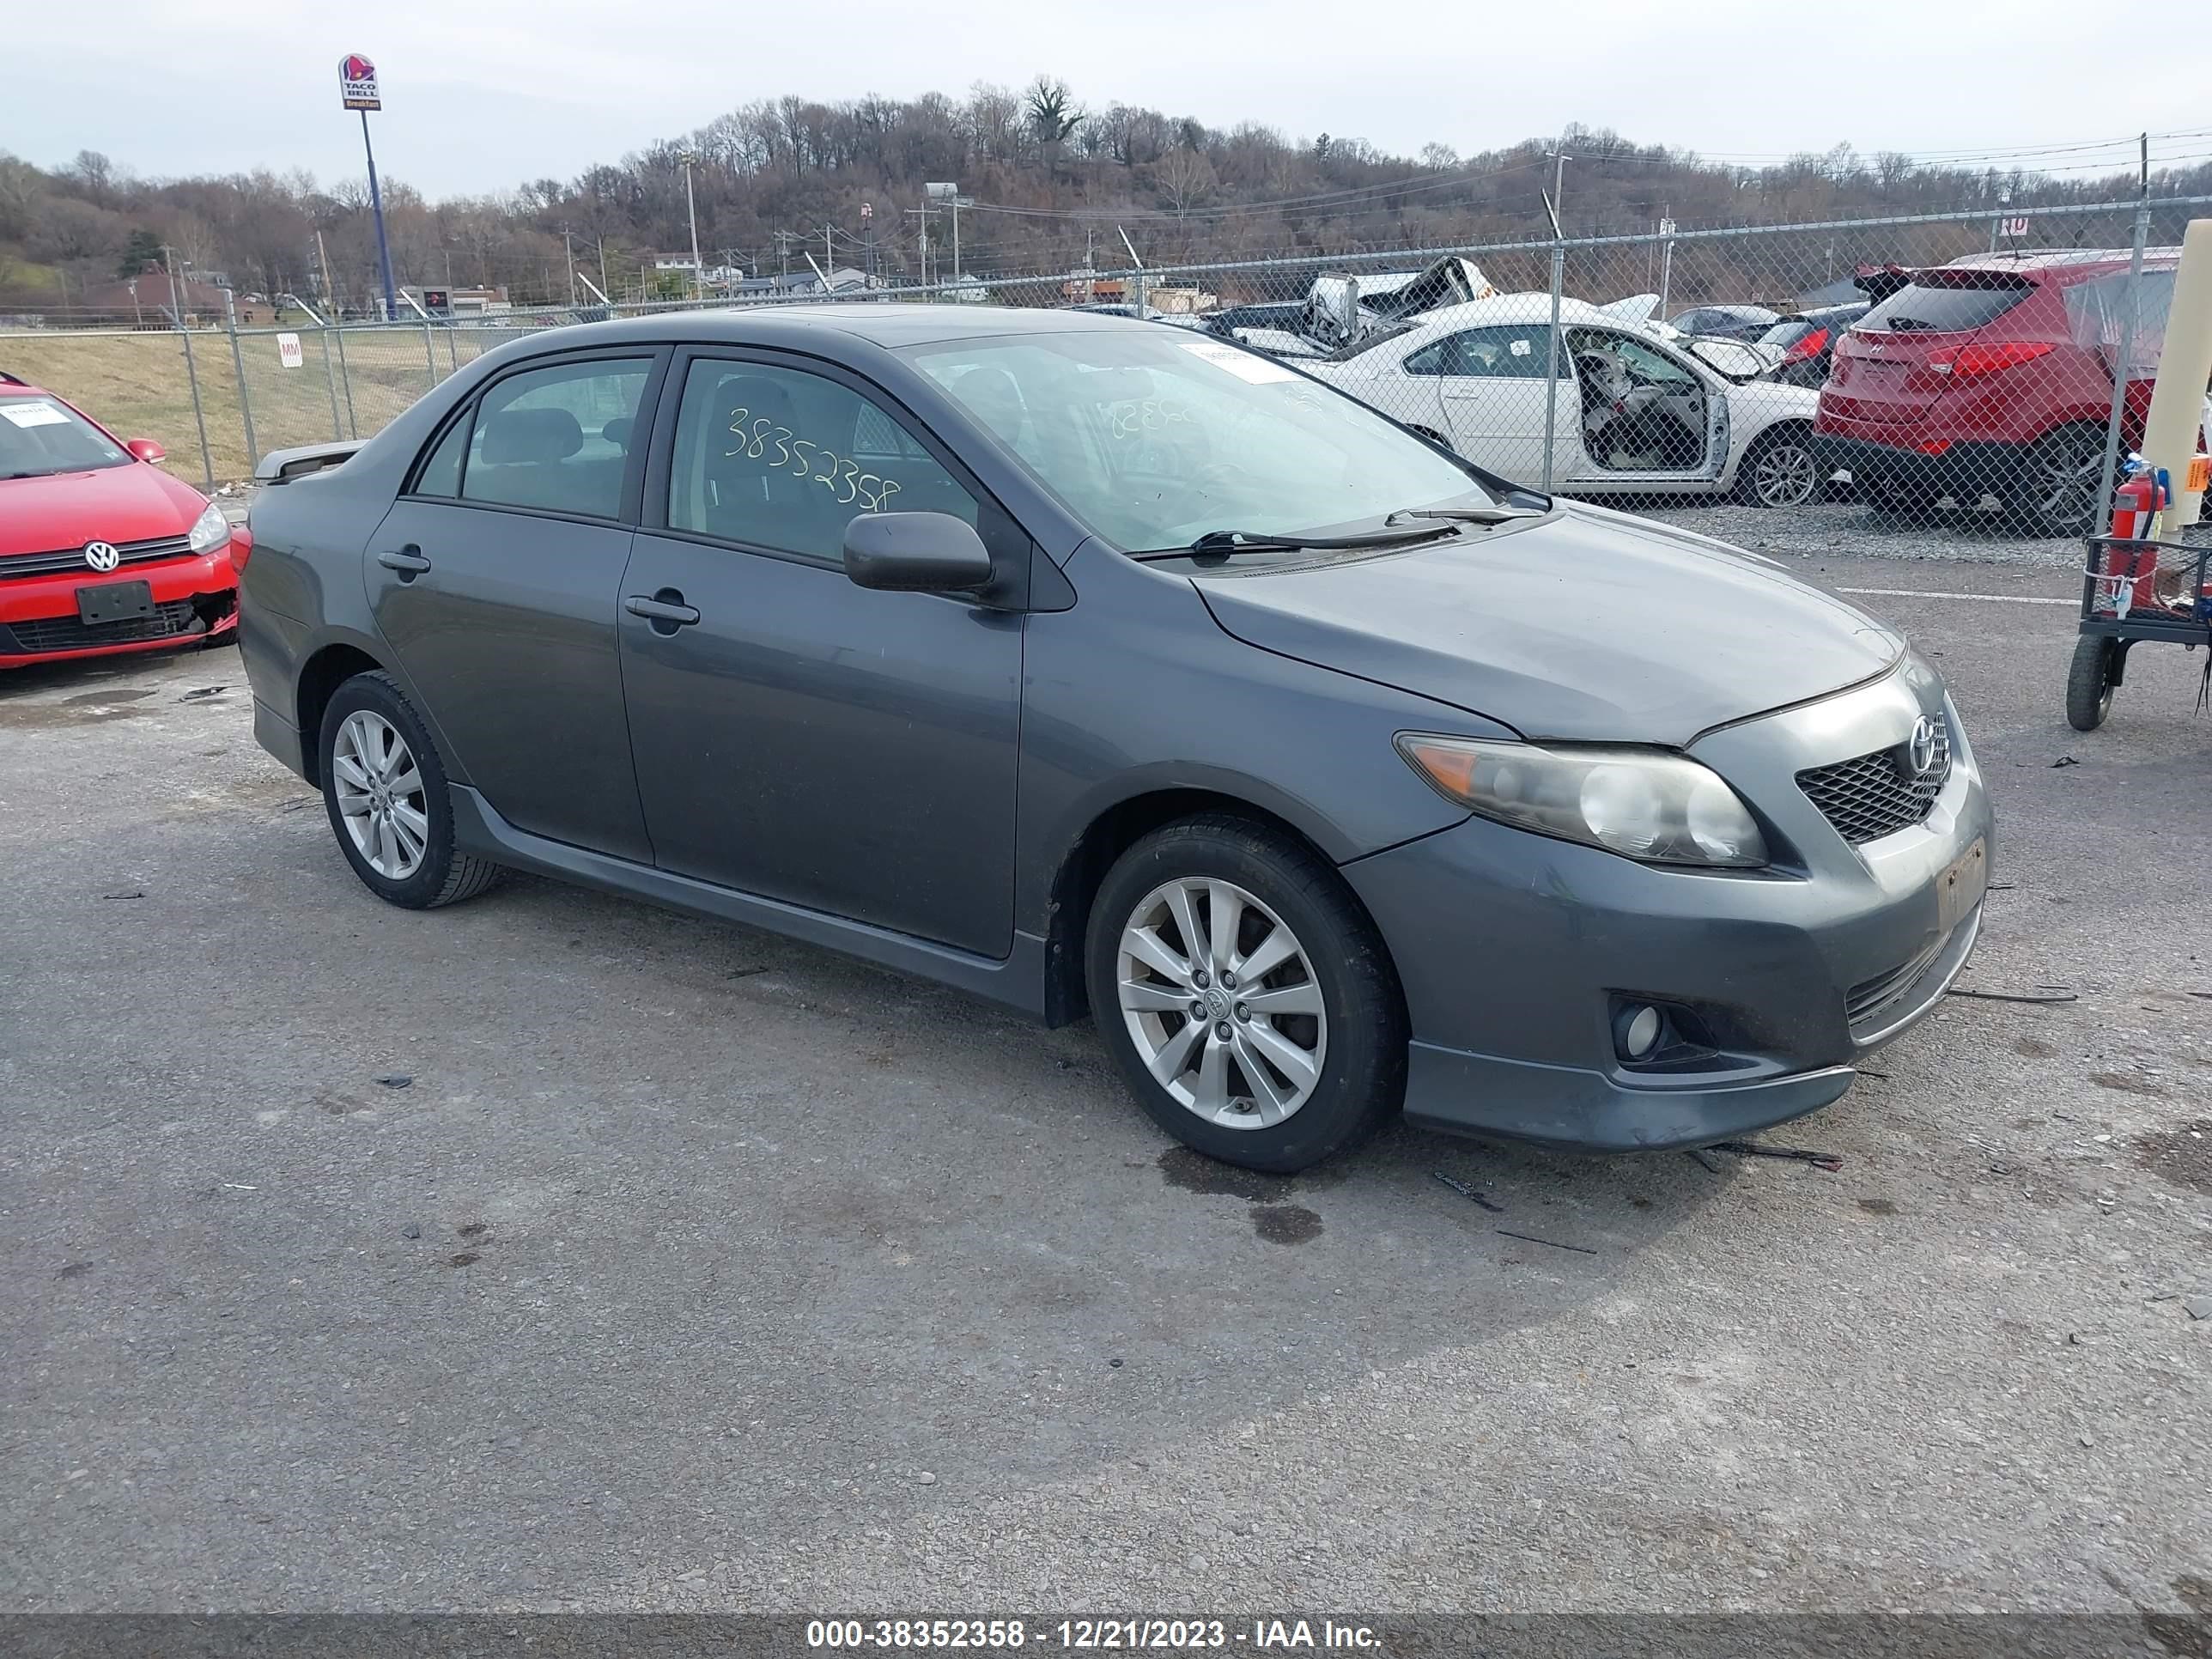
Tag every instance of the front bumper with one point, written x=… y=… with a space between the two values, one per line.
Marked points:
x=195 y=597
x=1516 y=951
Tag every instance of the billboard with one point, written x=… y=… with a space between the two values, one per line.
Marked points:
x=357 y=82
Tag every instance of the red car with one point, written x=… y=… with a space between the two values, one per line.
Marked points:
x=1993 y=376
x=101 y=550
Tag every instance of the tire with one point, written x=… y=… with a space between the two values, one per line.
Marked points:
x=1299 y=1112
x=2061 y=478
x=1780 y=469
x=2089 y=682
x=422 y=870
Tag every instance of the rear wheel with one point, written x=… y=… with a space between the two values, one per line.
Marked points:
x=384 y=786
x=1245 y=995
x=2090 y=681
x=1780 y=471
x=2060 y=480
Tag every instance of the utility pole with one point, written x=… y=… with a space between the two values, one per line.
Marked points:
x=569 y=260
x=829 y=253
x=330 y=294
x=921 y=212
x=1558 y=189
x=692 y=208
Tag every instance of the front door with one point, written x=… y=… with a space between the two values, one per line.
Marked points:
x=1495 y=396
x=797 y=736
x=496 y=578
x=1648 y=416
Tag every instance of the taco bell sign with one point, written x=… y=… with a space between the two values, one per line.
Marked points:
x=357 y=81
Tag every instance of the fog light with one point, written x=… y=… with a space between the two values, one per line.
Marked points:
x=1640 y=1035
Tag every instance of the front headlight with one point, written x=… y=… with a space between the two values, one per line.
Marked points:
x=211 y=532
x=1641 y=803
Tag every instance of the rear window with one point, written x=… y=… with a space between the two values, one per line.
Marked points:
x=1947 y=302
x=1787 y=333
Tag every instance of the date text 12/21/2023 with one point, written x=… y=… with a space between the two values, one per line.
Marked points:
x=801 y=456
x=1090 y=1635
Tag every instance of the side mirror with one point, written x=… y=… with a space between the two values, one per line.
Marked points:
x=147 y=450
x=915 y=552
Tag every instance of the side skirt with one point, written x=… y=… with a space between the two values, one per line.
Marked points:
x=1016 y=980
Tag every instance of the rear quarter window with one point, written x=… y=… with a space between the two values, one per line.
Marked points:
x=1951 y=304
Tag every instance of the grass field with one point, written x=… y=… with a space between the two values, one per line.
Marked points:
x=137 y=385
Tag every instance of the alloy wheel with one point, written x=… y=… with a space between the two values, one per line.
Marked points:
x=1222 y=1002
x=2065 y=473
x=1785 y=475
x=380 y=797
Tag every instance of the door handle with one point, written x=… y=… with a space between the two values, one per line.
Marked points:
x=407 y=561
x=665 y=610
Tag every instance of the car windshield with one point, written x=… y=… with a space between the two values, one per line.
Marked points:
x=41 y=436
x=1154 y=440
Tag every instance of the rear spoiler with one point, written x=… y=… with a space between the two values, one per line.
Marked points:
x=285 y=465
x=6 y=379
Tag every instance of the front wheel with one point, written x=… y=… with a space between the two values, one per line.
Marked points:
x=1245 y=995
x=384 y=786
x=1780 y=471
x=2090 y=681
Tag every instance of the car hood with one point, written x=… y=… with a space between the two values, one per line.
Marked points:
x=133 y=503
x=1590 y=626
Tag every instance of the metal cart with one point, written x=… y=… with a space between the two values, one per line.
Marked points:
x=2134 y=590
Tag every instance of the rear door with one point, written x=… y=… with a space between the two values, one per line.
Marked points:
x=496 y=578
x=1493 y=387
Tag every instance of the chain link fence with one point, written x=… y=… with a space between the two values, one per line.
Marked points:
x=1979 y=369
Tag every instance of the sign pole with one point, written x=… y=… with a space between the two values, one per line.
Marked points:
x=376 y=208
x=358 y=89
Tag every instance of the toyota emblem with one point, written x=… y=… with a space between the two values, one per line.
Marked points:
x=1922 y=751
x=101 y=556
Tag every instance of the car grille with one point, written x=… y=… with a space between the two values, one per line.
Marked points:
x=1879 y=795
x=1868 y=995
x=169 y=620
x=70 y=561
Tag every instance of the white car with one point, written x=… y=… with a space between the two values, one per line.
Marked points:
x=1635 y=415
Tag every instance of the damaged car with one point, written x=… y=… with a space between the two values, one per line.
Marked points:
x=1622 y=411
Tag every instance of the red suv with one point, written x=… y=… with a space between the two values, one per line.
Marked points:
x=101 y=550
x=1993 y=376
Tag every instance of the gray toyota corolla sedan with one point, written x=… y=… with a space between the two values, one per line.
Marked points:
x=1095 y=666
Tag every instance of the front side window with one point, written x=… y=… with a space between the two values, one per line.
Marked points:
x=557 y=439
x=779 y=458
x=1517 y=353
x=41 y=436
x=1154 y=438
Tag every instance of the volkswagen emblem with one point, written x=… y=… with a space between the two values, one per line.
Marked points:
x=101 y=556
x=1922 y=748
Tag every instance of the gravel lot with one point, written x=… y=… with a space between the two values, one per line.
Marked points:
x=694 y=1269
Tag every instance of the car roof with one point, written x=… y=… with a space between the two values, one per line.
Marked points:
x=2083 y=260
x=886 y=324
x=1503 y=308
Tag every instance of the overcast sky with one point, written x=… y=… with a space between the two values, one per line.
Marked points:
x=482 y=94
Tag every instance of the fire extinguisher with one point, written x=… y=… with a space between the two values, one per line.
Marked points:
x=2132 y=572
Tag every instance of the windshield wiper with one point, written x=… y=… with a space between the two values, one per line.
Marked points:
x=1468 y=515
x=1248 y=541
